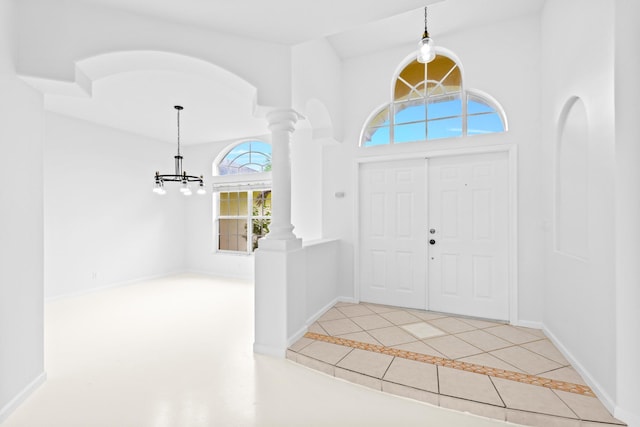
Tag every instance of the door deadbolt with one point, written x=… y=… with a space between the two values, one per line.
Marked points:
x=432 y=231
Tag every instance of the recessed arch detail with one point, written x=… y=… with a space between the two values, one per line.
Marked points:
x=428 y=102
x=572 y=180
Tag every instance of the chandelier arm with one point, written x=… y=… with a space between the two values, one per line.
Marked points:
x=180 y=178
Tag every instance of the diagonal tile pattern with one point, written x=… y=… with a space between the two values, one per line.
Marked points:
x=484 y=367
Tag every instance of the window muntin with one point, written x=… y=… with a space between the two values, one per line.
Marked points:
x=429 y=103
x=243 y=218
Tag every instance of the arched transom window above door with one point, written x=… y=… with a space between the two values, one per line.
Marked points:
x=430 y=102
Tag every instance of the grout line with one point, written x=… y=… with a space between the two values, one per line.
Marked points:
x=566 y=404
x=465 y=366
x=542 y=355
x=497 y=391
x=387 y=370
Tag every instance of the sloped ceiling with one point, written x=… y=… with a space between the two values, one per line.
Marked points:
x=142 y=102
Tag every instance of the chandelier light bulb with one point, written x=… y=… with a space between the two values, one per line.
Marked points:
x=157 y=188
x=201 y=189
x=185 y=187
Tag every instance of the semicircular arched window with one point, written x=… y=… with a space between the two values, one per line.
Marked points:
x=429 y=102
x=246 y=157
x=243 y=197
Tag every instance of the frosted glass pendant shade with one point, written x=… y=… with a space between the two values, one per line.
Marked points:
x=426 y=50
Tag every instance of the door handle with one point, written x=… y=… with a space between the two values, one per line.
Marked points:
x=432 y=242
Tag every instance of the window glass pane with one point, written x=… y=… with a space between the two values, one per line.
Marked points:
x=232 y=234
x=377 y=136
x=233 y=204
x=224 y=204
x=476 y=105
x=260 y=229
x=380 y=119
x=484 y=123
x=408 y=112
x=409 y=132
x=445 y=107
x=262 y=203
x=243 y=203
x=443 y=76
x=410 y=77
x=444 y=128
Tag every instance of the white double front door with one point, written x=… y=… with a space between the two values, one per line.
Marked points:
x=434 y=234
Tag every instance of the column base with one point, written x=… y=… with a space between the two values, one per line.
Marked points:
x=275 y=244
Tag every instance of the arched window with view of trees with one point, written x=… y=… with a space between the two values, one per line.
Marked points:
x=430 y=102
x=243 y=186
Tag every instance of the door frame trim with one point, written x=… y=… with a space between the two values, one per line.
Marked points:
x=512 y=247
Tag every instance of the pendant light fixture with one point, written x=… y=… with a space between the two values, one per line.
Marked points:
x=180 y=175
x=426 y=49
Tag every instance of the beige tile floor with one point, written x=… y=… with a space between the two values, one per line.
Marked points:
x=486 y=368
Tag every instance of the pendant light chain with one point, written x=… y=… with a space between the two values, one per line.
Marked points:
x=425 y=20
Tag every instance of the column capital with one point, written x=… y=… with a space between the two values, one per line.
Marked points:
x=283 y=119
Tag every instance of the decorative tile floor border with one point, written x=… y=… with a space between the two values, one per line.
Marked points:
x=455 y=364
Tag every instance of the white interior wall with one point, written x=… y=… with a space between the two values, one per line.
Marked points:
x=508 y=69
x=306 y=185
x=316 y=83
x=21 y=229
x=317 y=74
x=627 y=93
x=200 y=249
x=103 y=224
x=580 y=293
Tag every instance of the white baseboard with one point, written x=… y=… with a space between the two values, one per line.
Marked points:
x=530 y=324
x=632 y=420
x=604 y=397
x=269 y=351
x=7 y=409
x=310 y=320
x=218 y=275
x=112 y=285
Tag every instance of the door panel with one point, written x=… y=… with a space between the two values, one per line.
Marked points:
x=468 y=208
x=392 y=233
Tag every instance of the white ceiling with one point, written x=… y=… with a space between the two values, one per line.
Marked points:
x=142 y=102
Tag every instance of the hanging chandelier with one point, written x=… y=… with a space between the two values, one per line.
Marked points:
x=426 y=48
x=180 y=175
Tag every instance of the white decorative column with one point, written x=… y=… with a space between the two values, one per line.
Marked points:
x=279 y=259
x=281 y=124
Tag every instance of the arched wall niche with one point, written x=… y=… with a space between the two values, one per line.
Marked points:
x=319 y=119
x=572 y=180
